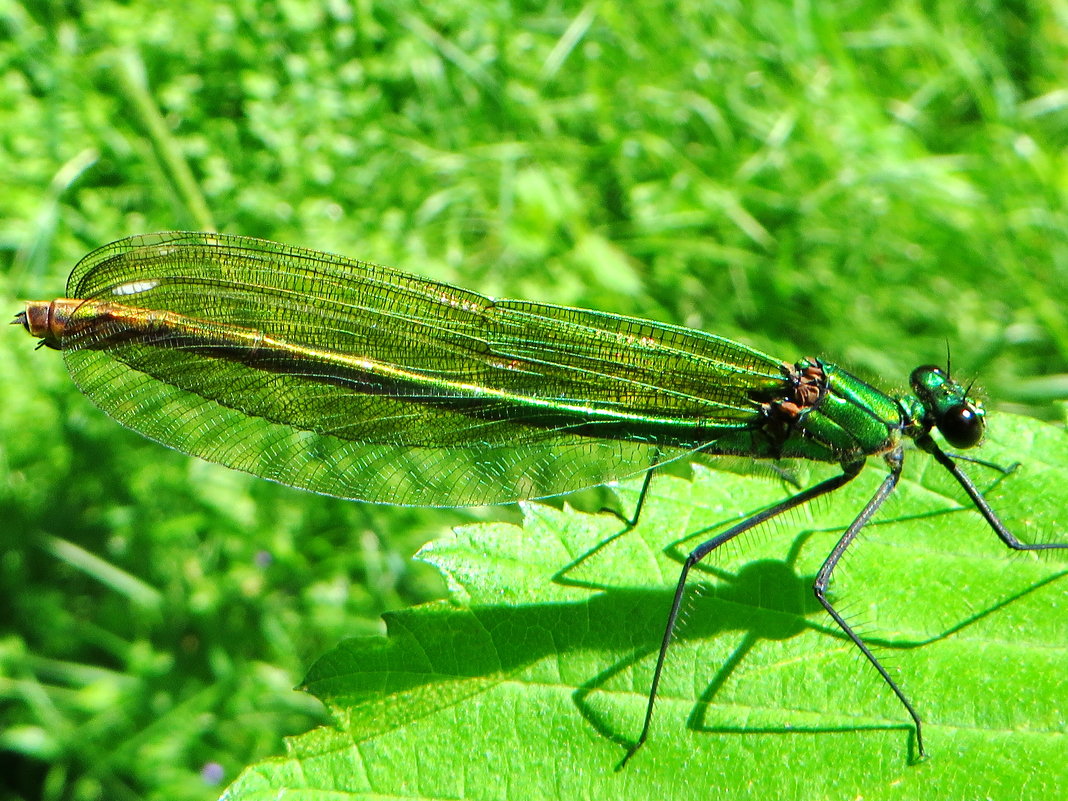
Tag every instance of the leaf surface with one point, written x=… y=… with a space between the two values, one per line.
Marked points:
x=530 y=681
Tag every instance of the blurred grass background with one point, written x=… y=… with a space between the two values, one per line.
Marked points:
x=865 y=181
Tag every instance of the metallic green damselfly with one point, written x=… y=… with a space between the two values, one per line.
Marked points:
x=363 y=382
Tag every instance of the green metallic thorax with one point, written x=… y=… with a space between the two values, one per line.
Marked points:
x=848 y=421
x=853 y=418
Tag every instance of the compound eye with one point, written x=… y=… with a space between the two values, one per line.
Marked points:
x=962 y=426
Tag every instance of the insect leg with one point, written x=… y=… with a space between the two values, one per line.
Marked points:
x=1010 y=539
x=704 y=549
x=895 y=460
x=632 y=521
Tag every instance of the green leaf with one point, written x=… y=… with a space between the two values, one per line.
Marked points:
x=530 y=681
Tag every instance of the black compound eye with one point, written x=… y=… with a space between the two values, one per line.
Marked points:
x=962 y=426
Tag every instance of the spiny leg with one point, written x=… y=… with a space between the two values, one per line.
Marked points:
x=629 y=523
x=894 y=459
x=1010 y=539
x=1005 y=470
x=632 y=521
x=849 y=472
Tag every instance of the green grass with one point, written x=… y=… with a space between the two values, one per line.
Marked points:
x=857 y=181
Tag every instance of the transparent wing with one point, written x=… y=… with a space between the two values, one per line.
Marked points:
x=470 y=401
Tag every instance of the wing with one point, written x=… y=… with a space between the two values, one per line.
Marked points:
x=361 y=381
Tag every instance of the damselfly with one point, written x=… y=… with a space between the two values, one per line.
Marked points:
x=360 y=381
